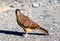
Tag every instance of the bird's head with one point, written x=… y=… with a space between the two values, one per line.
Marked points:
x=17 y=11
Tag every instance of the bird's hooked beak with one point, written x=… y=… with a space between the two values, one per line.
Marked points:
x=17 y=11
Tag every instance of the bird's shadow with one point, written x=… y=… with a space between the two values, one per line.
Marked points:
x=18 y=33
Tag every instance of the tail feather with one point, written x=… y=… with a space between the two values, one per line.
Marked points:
x=43 y=30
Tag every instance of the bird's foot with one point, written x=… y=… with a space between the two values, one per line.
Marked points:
x=26 y=35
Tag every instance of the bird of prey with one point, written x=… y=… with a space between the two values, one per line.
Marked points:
x=27 y=24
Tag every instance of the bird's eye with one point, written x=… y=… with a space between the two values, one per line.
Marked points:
x=18 y=12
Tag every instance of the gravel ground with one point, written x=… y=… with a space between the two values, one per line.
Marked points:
x=46 y=13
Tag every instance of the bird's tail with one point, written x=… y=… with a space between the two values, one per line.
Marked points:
x=43 y=30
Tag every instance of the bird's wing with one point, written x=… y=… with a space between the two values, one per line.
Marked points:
x=28 y=23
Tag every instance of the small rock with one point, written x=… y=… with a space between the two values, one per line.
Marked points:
x=22 y=5
x=35 y=5
x=55 y=40
x=33 y=0
x=55 y=24
x=51 y=33
x=19 y=1
x=51 y=28
x=9 y=39
x=50 y=1
x=58 y=1
x=55 y=1
x=12 y=6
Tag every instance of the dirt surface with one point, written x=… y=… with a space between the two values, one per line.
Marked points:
x=46 y=13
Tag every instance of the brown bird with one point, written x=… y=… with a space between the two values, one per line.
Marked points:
x=28 y=24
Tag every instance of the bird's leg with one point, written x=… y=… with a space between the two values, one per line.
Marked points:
x=26 y=35
x=27 y=30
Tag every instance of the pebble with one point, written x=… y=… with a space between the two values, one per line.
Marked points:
x=12 y=6
x=19 y=1
x=55 y=24
x=51 y=33
x=51 y=28
x=9 y=39
x=58 y=1
x=55 y=1
x=35 y=5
